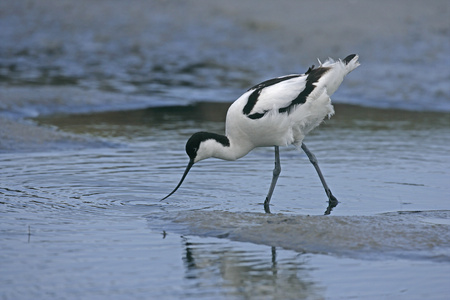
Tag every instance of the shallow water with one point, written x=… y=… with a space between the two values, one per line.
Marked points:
x=95 y=213
x=95 y=110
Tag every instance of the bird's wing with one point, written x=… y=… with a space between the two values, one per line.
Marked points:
x=282 y=94
x=273 y=94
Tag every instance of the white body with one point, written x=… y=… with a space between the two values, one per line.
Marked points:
x=275 y=128
x=276 y=112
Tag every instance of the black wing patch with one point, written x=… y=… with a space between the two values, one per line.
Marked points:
x=273 y=81
x=253 y=98
x=313 y=76
x=309 y=70
x=349 y=58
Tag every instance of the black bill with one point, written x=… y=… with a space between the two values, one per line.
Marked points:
x=189 y=166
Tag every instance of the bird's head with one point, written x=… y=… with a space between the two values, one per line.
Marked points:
x=200 y=146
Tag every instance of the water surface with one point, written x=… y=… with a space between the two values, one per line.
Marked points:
x=97 y=101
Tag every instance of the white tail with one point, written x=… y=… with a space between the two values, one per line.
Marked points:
x=351 y=62
x=338 y=70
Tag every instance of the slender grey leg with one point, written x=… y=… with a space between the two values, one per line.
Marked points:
x=276 y=173
x=313 y=160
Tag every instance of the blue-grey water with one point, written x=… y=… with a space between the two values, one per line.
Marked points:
x=97 y=100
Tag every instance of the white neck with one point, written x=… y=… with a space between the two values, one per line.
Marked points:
x=212 y=148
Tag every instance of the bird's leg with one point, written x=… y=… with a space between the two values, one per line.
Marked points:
x=313 y=160
x=276 y=173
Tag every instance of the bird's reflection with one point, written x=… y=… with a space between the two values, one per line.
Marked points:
x=246 y=273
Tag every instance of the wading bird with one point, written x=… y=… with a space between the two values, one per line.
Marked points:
x=277 y=112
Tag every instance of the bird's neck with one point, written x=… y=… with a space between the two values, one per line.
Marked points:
x=226 y=149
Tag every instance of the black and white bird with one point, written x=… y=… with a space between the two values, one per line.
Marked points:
x=277 y=112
